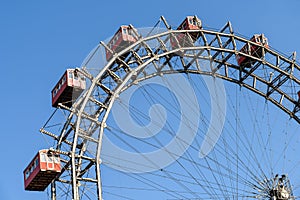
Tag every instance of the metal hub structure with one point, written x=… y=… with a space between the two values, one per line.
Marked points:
x=274 y=77
x=277 y=188
x=281 y=188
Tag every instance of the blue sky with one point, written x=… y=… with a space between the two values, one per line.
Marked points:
x=40 y=39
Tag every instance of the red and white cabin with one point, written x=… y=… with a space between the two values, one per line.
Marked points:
x=124 y=37
x=189 y=23
x=41 y=171
x=68 y=88
x=255 y=50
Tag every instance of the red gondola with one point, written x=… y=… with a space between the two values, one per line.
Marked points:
x=189 y=23
x=41 y=171
x=255 y=50
x=68 y=89
x=124 y=37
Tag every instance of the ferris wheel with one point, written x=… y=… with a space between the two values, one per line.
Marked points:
x=185 y=113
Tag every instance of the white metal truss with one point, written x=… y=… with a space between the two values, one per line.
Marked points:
x=268 y=77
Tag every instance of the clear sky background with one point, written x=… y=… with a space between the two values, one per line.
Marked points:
x=40 y=39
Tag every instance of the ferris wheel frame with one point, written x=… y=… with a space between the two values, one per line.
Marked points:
x=220 y=47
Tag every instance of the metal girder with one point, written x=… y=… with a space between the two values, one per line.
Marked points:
x=221 y=46
x=279 y=81
x=54 y=136
x=83 y=171
x=224 y=60
x=248 y=73
x=100 y=104
x=105 y=88
x=114 y=76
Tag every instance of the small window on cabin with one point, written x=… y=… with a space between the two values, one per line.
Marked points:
x=71 y=75
x=75 y=75
x=49 y=159
x=56 y=159
x=258 y=39
x=33 y=165
x=27 y=174
x=43 y=157
x=63 y=80
x=36 y=162
x=125 y=31
x=190 y=21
